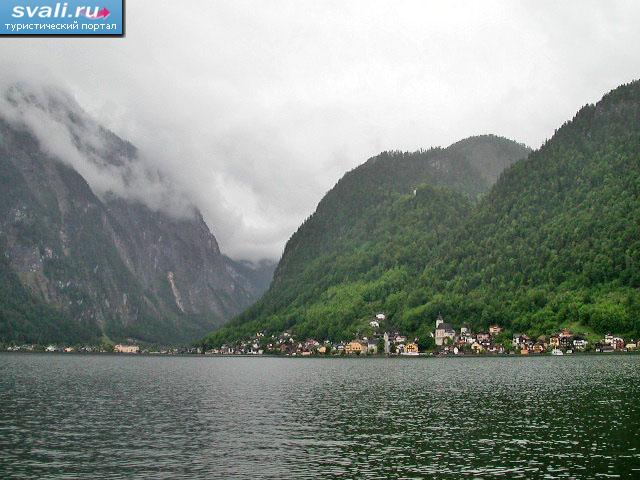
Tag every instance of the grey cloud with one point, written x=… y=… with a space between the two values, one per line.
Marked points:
x=253 y=110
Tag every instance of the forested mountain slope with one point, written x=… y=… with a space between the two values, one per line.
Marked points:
x=555 y=242
x=371 y=234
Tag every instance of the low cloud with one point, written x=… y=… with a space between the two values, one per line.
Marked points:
x=110 y=166
x=253 y=110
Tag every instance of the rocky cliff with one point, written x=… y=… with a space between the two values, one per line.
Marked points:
x=83 y=255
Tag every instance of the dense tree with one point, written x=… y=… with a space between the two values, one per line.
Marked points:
x=554 y=242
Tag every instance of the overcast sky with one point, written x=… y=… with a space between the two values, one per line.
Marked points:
x=258 y=108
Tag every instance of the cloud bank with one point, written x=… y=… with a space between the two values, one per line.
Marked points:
x=253 y=110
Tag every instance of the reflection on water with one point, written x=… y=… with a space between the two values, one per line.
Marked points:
x=75 y=416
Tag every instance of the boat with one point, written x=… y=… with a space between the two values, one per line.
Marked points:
x=556 y=351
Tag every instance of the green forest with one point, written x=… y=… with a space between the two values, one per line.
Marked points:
x=554 y=242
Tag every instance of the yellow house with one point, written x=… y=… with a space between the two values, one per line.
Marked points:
x=476 y=347
x=322 y=350
x=411 y=349
x=495 y=329
x=354 y=348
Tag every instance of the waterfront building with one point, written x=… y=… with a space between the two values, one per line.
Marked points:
x=443 y=332
x=126 y=348
x=483 y=337
x=354 y=347
x=411 y=349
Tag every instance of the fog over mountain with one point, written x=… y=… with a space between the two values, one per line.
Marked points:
x=253 y=112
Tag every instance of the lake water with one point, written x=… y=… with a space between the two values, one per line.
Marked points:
x=83 y=416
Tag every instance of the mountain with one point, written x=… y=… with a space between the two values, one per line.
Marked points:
x=82 y=262
x=554 y=243
x=371 y=237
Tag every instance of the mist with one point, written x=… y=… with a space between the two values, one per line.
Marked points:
x=257 y=108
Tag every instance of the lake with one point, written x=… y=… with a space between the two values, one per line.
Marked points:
x=91 y=416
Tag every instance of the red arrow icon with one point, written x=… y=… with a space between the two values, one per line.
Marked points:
x=104 y=13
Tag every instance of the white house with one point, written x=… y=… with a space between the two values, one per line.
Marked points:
x=580 y=343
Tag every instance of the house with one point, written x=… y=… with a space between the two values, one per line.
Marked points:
x=538 y=348
x=355 y=347
x=322 y=350
x=631 y=346
x=495 y=329
x=476 y=347
x=374 y=324
x=310 y=345
x=381 y=317
x=126 y=348
x=566 y=341
x=563 y=339
x=466 y=337
x=616 y=343
x=483 y=337
x=519 y=340
x=410 y=349
x=444 y=332
x=50 y=348
x=606 y=349
x=400 y=339
x=579 y=343
x=372 y=347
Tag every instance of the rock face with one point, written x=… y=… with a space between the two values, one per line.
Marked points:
x=77 y=263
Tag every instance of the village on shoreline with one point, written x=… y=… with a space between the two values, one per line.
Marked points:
x=443 y=341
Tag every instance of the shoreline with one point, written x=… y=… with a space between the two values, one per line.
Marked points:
x=325 y=357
